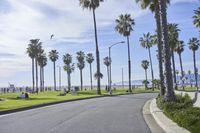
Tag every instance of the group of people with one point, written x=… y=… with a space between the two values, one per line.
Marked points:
x=23 y=95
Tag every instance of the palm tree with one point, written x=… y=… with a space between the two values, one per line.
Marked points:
x=173 y=41
x=147 y=42
x=69 y=68
x=42 y=62
x=170 y=96
x=98 y=75
x=155 y=8
x=90 y=59
x=194 y=46
x=179 y=49
x=145 y=65
x=31 y=53
x=81 y=64
x=197 y=18
x=124 y=25
x=92 y=5
x=189 y=73
x=37 y=47
x=177 y=73
x=53 y=55
x=107 y=62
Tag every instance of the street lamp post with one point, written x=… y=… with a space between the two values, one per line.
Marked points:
x=122 y=78
x=110 y=81
x=59 y=76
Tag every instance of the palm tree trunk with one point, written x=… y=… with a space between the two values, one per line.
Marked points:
x=146 y=79
x=129 y=65
x=108 y=76
x=174 y=69
x=36 y=70
x=91 y=76
x=54 y=70
x=182 y=75
x=40 y=78
x=43 y=79
x=190 y=81
x=33 y=73
x=170 y=96
x=152 y=75
x=97 y=54
x=195 y=71
x=81 y=76
x=69 y=84
x=159 y=36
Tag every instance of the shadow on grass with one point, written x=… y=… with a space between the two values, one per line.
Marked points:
x=33 y=99
x=86 y=93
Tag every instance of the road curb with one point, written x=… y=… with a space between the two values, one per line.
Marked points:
x=150 y=121
x=163 y=121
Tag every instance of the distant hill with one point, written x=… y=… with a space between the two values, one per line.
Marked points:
x=139 y=82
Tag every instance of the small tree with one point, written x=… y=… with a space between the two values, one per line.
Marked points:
x=145 y=65
x=53 y=55
x=81 y=64
x=194 y=46
x=69 y=68
x=90 y=59
x=107 y=62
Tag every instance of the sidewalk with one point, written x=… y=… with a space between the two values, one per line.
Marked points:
x=191 y=94
x=163 y=121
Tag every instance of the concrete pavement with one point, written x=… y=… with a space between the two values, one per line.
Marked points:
x=163 y=121
x=120 y=114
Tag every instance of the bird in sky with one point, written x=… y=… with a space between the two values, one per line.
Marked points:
x=51 y=36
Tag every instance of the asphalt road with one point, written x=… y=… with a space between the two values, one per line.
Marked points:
x=118 y=114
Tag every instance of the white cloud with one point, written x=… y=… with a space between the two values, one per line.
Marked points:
x=29 y=19
x=32 y=19
x=186 y=1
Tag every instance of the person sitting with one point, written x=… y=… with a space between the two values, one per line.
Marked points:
x=26 y=95
x=22 y=96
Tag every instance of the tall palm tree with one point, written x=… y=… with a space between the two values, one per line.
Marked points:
x=90 y=59
x=170 y=96
x=92 y=5
x=179 y=49
x=69 y=68
x=37 y=50
x=81 y=64
x=53 y=55
x=197 y=18
x=145 y=65
x=124 y=25
x=194 y=46
x=155 y=8
x=31 y=53
x=173 y=41
x=147 y=42
x=107 y=62
x=42 y=62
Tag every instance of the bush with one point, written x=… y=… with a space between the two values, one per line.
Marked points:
x=182 y=112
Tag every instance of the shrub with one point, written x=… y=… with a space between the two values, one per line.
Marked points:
x=182 y=112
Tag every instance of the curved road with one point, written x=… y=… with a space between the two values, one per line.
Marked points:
x=117 y=114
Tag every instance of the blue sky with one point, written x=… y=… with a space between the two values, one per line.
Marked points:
x=22 y=20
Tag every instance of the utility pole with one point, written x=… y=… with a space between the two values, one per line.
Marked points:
x=122 y=78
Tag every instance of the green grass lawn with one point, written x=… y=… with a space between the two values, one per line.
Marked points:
x=11 y=102
x=188 y=88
